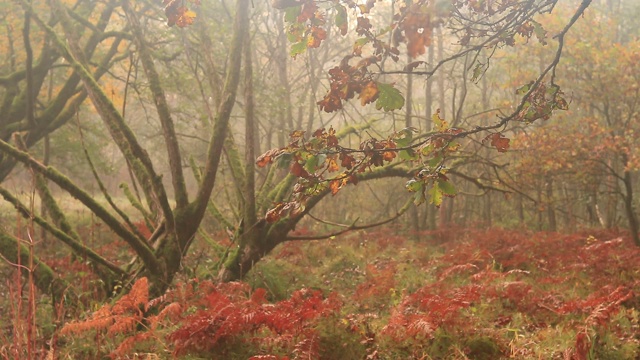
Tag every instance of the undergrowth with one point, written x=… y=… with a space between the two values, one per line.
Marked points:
x=485 y=294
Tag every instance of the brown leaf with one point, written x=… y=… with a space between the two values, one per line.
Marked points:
x=499 y=142
x=409 y=67
x=417 y=29
x=347 y=161
x=275 y=213
x=330 y=103
x=299 y=170
x=318 y=133
x=369 y=93
x=308 y=11
x=316 y=36
x=332 y=140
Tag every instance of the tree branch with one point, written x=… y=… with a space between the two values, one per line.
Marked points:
x=353 y=226
x=141 y=248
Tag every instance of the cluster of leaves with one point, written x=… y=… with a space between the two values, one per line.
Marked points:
x=305 y=24
x=412 y=26
x=321 y=164
x=315 y=161
x=304 y=29
x=541 y=102
x=178 y=13
x=347 y=80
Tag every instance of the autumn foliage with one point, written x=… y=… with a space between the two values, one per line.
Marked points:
x=489 y=294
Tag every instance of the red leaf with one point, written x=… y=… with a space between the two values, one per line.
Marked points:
x=330 y=103
x=499 y=142
x=347 y=161
x=299 y=171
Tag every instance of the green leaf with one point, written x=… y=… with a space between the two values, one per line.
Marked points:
x=414 y=185
x=291 y=13
x=419 y=198
x=540 y=32
x=478 y=70
x=311 y=164
x=284 y=160
x=435 y=161
x=446 y=188
x=361 y=42
x=389 y=98
x=439 y=123
x=407 y=154
x=342 y=19
x=298 y=48
x=524 y=89
x=426 y=150
x=435 y=194
x=404 y=136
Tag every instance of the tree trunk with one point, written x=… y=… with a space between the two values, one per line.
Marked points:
x=632 y=218
x=551 y=211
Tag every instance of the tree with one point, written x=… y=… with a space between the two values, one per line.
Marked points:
x=599 y=166
x=159 y=255
x=318 y=165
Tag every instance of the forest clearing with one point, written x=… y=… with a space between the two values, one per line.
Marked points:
x=306 y=179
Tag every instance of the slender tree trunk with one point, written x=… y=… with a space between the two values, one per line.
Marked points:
x=488 y=218
x=551 y=211
x=441 y=89
x=632 y=218
x=413 y=213
x=539 y=204
x=429 y=210
x=520 y=210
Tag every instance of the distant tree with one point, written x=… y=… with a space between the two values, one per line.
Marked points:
x=593 y=147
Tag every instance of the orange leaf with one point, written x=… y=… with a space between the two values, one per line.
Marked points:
x=333 y=165
x=369 y=93
x=335 y=186
x=267 y=158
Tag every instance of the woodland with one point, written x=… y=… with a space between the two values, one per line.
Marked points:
x=306 y=179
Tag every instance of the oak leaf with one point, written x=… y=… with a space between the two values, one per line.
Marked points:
x=369 y=93
x=499 y=142
x=389 y=98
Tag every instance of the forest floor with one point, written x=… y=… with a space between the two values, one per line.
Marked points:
x=459 y=294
